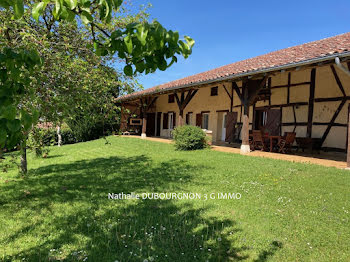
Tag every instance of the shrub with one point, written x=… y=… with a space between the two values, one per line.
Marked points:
x=189 y=138
x=67 y=135
x=39 y=141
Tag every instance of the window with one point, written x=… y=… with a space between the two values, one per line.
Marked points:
x=171 y=98
x=189 y=120
x=214 y=91
x=205 y=121
x=171 y=120
x=260 y=119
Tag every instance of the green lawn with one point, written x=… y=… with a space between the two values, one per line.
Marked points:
x=61 y=212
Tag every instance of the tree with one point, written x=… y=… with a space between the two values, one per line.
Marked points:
x=143 y=46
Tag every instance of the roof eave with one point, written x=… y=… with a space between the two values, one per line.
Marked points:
x=245 y=74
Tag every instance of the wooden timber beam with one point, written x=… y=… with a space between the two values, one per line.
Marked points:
x=340 y=107
x=340 y=85
x=152 y=103
x=230 y=96
x=183 y=101
x=269 y=87
x=231 y=104
x=288 y=87
x=336 y=113
x=291 y=85
x=254 y=86
x=332 y=99
x=311 y=102
x=236 y=88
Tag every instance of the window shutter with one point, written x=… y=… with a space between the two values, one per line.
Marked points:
x=187 y=119
x=165 y=120
x=199 y=120
x=174 y=119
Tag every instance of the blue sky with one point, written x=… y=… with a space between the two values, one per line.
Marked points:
x=228 y=31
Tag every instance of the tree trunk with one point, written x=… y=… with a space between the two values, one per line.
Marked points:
x=1 y=154
x=24 y=168
x=59 y=136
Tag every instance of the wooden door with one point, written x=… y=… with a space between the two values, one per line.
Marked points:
x=159 y=118
x=165 y=120
x=231 y=121
x=151 y=124
x=273 y=122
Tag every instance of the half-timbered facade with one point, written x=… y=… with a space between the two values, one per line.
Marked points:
x=305 y=89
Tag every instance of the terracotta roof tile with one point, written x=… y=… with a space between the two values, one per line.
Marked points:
x=299 y=53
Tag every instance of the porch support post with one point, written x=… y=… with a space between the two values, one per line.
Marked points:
x=123 y=123
x=181 y=116
x=250 y=90
x=245 y=148
x=348 y=146
x=144 y=124
x=143 y=105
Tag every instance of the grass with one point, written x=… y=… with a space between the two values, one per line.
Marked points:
x=61 y=212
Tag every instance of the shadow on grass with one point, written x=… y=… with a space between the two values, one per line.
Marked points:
x=74 y=220
x=266 y=254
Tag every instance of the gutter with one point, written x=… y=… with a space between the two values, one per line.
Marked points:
x=250 y=73
x=341 y=67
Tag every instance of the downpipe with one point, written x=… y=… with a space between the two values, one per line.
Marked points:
x=341 y=67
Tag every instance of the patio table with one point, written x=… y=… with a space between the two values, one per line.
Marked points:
x=271 y=140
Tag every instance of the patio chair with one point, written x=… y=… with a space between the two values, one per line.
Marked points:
x=258 y=141
x=285 y=143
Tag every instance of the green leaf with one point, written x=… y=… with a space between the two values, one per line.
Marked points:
x=189 y=41
x=4 y=4
x=86 y=17
x=140 y=66
x=18 y=8
x=57 y=10
x=128 y=43
x=9 y=112
x=173 y=60
x=71 y=16
x=38 y=10
x=128 y=70
x=142 y=34
x=13 y=125
x=117 y=3
x=72 y=4
x=162 y=64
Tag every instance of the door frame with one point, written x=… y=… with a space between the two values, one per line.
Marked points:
x=223 y=126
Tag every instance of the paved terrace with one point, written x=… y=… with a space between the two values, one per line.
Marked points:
x=329 y=159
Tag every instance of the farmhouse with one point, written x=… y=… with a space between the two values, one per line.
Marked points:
x=303 y=89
